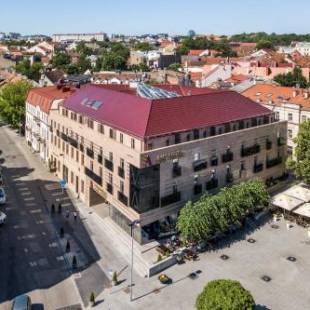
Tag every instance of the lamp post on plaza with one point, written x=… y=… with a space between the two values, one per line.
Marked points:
x=132 y=226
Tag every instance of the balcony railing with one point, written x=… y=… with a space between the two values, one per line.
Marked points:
x=197 y=189
x=273 y=162
x=200 y=165
x=214 y=161
x=251 y=150
x=64 y=136
x=110 y=188
x=229 y=177
x=227 y=157
x=176 y=171
x=268 y=144
x=90 y=152
x=170 y=199
x=121 y=172
x=122 y=198
x=212 y=184
x=73 y=142
x=258 y=168
x=108 y=164
x=93 y=176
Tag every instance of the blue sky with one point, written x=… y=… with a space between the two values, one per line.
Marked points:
x=146 y=16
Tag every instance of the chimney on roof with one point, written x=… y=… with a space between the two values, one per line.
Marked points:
x=306 y=95
x=294 y=93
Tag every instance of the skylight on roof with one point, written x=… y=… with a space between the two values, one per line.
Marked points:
x=94 y=104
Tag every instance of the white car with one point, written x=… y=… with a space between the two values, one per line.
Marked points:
x=2 y=218
x=2 y=196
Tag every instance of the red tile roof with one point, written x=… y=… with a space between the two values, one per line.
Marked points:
x=185 y=90
x=195 y=52
x=142 y=117
x=44 y=96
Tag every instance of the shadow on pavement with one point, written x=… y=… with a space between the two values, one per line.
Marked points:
x=32 y=254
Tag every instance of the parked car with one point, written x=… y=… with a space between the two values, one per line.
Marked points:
x=2 y=196
x=21 y=302
x=2 y=218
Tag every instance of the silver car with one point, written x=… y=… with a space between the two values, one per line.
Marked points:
x=2 y=196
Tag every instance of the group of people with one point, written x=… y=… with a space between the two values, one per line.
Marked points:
x=75 y=214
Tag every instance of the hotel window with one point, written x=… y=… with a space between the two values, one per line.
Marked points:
x=290 y=116
x=100 y=128
x=196 y=134
x=121 y=186
x=303 y=118
x=188 y=137
x=110 y=156
x=100 y=171
x=91 y=165
x=112 y=133
x=149 y=146
x=80 y=119
x=204 y=134
x=58 y=143
x=82 y=159
x=132 y=143
x=290 y=133
x=67 y=149
x=72 y=152
x=82 y=187
x=167 y=142
x=90 y=124
x=122 y=163
x=277 y=115
x=72 y=177
x=110 y=178
x=77 y=156
x=121 y=138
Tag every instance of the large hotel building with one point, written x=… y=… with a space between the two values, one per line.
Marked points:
x=142 y=155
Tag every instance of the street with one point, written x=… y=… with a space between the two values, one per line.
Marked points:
x=32 y=254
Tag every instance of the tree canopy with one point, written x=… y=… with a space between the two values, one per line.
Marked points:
x=143 y=46
x=12 y=102
x=262 y=44
x=201 y=44
x=275 y=39
x=225 y=295
x=61 y=61
x=292 y=79
x=31 y=72
x=301 y=163
x=212 y=215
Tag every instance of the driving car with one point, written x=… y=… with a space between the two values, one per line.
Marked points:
x=2 y=218
x=21 y=302
x=2 y=196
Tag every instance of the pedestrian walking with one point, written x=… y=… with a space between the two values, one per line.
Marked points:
x=75 y=215
x=67 y=215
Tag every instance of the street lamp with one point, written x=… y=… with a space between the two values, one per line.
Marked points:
x=132 y=226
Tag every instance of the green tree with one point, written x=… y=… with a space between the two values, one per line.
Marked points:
x=143 y=46
x=61 y=60
x=301 y=163
x=292 y=79
x=31 y=72
x=174 y=66
x=83 y=64
x=212 y=215
x=262 y=44
x=12 y=102
x=225 y=295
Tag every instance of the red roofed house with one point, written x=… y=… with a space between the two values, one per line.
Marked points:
x=142 y=158
x=39 y=103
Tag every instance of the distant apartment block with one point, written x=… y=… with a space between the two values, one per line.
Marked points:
x=87 y=37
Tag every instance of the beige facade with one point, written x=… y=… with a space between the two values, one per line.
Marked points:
x=151 y=179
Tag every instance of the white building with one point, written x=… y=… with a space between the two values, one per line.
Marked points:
x=87 y=37
x=303 y=48
x=39 y=103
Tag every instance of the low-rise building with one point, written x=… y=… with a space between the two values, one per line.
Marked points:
x=144 y=158
x=39 y=103
x=288 y=103
x=87 y=37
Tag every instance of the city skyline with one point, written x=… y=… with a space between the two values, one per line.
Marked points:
x=138 y=17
